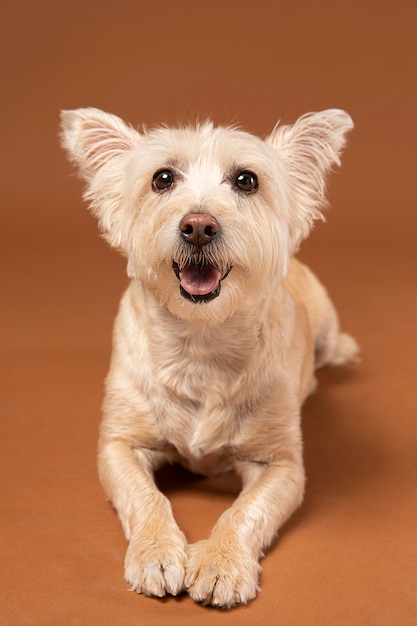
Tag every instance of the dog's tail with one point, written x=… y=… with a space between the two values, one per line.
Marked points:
x=346 y=350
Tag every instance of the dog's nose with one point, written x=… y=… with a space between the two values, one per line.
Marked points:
x=198 y=229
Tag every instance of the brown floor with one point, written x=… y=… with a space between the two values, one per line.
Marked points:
x=349 y=555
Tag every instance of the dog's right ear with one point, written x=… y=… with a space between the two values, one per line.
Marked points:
x=93 y=138
x=97 y=143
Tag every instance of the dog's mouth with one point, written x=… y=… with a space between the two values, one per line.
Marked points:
x=199 y=282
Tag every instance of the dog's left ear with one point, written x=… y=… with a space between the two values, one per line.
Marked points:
x=310 y=148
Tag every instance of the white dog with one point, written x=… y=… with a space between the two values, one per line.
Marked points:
x=218 y=333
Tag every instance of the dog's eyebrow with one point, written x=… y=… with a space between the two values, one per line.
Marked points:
x=176 y=164
x=241 y=167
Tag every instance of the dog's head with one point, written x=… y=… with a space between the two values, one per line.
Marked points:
x=208 y=218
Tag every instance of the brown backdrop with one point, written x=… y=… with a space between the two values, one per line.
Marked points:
x=348 y=557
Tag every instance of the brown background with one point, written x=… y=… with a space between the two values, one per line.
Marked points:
x=348 y=557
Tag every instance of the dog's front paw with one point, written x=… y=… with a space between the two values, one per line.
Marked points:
x=220 y=576
x=155 y=565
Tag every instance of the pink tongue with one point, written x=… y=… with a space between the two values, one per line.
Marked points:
x=200 y=281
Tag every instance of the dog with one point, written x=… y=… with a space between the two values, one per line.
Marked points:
x=218 y=334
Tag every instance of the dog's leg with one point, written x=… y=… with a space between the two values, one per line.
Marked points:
x=155 y=558
x=224 y=570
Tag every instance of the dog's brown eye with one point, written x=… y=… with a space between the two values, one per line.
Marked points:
x=163 y=180
x=246 y=181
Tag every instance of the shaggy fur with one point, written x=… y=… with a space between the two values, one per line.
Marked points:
x=218 y=333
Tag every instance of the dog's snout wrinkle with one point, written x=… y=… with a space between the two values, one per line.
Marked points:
x=199 y=229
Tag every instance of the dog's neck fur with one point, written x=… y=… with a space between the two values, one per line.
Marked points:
x=227 y=345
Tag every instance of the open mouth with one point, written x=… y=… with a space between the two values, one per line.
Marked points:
x=199 y=282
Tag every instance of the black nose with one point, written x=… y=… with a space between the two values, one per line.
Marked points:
x=198 y=229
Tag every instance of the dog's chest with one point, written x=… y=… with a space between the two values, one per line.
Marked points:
x=198 y=381
x=202 y=367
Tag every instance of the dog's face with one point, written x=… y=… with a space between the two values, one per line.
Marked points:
x=208 y=218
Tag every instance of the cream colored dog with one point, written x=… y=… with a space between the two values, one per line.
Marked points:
x=218 y=333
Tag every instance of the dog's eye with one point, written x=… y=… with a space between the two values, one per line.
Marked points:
x=246 y=181
x=163 y=180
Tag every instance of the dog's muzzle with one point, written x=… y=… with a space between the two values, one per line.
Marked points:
x=200 y=279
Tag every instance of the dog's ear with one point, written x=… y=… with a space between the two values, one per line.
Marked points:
x=310 y=148
x=93 y=138
x=98 y=143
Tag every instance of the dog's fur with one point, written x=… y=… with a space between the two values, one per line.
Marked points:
x=209 y=377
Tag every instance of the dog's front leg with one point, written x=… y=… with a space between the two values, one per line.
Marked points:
x=224 y=569
x=155 y=558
